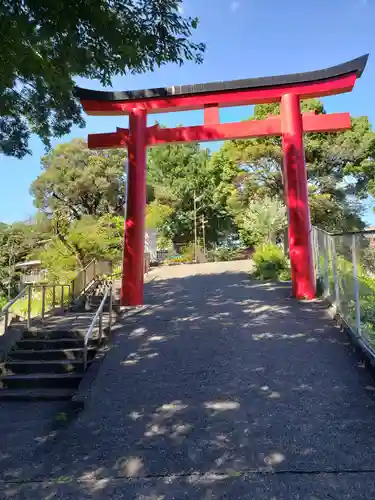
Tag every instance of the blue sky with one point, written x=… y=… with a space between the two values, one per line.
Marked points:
x=244 y=38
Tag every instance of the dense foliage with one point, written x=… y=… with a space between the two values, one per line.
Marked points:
x=270 y=262
x=46 y=44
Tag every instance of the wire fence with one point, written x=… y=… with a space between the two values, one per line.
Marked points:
x=345 y=271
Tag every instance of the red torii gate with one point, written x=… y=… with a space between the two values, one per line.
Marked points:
x=291 y=124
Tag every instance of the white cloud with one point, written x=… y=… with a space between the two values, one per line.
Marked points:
x=234 y=6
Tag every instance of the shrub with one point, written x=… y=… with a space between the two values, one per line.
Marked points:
x=270 y=262
x=224 y=254
x=319 y=286
x=285 y=274
x=3 y=301
x=188 y=253
x=177 y=259
x=262 y=221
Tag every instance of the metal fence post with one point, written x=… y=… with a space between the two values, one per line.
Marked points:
x=43 y=300
x=326 y=266
x=29 y=291
x=85 y=356
x=6 y=320
x=356 y=287
x=335 y=273
x=110 y=309
x=100 y=325
x=318 y=252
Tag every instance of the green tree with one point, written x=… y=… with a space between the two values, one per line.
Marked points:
x=77 y=183
x=334 y=162
x=262 y=221
x=83 y=240
x=177 y=173
x=157 y=215
x=19 y=242
x=45 y=45
x=80 y=181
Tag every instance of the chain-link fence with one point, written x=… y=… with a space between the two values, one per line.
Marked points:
x=345 y=271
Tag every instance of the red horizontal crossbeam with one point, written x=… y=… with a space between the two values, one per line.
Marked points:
x=333 y=86
x=220 y=132
x=109 y=140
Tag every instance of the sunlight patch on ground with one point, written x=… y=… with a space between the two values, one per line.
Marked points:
x=156 y=338
x=135 y=415
x=173 y=406
x=155 y=430
x=138 y=332
x=222 y=405
x=275 y=458
x=130 y=467
x=277 y=336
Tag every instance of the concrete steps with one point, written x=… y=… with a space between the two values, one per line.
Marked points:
x=47 y=363
x=52 y=344
x=41 y=381
x=38 y=334
x=50 y=354
x=36 y=394
x=30 y=367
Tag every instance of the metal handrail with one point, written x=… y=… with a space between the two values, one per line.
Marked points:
x=13 y=301
x=82 y=272
x=28 y=290
x=86 y=272
x=99 y=316
x=87 y=276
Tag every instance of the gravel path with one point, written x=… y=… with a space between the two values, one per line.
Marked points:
x=220 y=388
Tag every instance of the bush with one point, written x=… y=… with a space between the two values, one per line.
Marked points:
x=285 y=274
x=177 y=259
x=270 y=262
x=223 y=254
x=3 y=301
x=262 y=221
x=188 y=253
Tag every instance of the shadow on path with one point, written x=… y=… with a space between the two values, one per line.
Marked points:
x=220 y=388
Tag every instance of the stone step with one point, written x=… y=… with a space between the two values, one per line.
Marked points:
x=97 y=299
x=53 y=334
x=50 y=354
x=49 y=344
x=36 y=394
x=39 y=366
x=41 y=380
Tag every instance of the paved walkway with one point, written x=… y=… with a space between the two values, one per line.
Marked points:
x=221 y=388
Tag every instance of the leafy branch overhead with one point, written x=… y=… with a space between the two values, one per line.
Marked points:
x=46 y=44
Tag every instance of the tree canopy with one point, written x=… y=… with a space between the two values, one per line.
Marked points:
x=338 y=165
x=81 y=181
x=45 y=45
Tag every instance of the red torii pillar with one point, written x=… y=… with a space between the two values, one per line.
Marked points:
x=300 y=248
x=291 y=124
